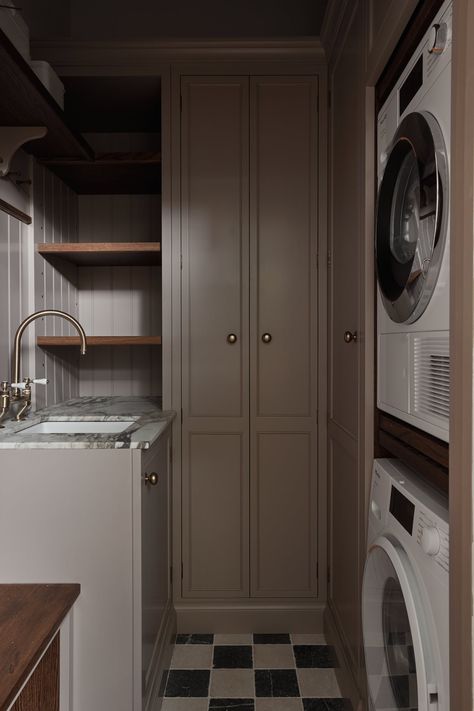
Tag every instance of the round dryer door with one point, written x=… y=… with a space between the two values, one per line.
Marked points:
x=412 y=217
x=395 y=641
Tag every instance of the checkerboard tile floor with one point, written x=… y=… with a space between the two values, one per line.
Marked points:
x=259 y=672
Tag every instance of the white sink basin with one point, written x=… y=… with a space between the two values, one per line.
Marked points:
x=79 y=427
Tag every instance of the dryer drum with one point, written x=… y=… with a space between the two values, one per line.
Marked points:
x=412 y=217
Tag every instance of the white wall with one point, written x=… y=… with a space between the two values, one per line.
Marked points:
x=28 y=283
x=55 y=220
x=14 y=245
x=120 y=301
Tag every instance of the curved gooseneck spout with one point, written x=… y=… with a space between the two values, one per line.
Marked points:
x=26 y=323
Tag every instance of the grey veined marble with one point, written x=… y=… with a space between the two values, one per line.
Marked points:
x=150 y=421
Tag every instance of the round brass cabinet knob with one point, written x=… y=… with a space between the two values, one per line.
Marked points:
x=231 y=338
x=267 y=337
x=151 y=479
x=350 y=336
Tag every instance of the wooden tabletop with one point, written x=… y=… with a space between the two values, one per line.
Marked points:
x=30 y=615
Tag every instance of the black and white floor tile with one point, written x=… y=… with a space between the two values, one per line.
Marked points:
x=259 y=672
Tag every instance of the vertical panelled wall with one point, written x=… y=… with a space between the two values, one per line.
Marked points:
x=28 y=283
x=55 y=220
x=120 y=301
x=14 y=303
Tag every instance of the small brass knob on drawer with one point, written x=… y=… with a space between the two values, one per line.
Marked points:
x=231 y=338
x=151 y=479
x=267 y=337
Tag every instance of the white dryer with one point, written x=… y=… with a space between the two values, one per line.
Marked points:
x=405 y=593
x=412 y=236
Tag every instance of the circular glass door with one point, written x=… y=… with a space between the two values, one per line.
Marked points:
x=412 y=217
x=393 y=641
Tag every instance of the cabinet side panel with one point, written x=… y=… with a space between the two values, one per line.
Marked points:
x=67 y=517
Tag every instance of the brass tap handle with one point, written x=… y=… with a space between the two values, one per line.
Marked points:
x=151 y=479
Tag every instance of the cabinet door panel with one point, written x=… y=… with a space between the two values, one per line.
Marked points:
x=215 y=525
x=214 y=241
x=284 y=498
x=215 y=291
x=155 y=554
x=283 y=269
x=344 y=545
x=283 y=227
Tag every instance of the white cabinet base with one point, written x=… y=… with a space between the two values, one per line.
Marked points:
x=75 y=516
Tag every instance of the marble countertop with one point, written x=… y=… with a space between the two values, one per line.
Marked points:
x=150 y=421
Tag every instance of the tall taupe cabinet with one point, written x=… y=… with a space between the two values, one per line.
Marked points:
x=249 y=328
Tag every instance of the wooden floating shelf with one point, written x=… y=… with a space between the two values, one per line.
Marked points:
x=92 y=341
x=111 y=174
x=107 y=254
x=26 y=102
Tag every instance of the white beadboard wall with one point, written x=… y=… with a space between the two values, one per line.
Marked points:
x=120 y=301
x=14 y=288
x=106 y=300
x=55 y=220
x=28 y=283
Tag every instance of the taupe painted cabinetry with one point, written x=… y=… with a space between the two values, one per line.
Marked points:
x=249 y=199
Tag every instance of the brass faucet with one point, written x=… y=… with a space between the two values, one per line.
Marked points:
x=21 y=391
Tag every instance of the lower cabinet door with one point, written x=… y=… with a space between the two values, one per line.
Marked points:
x=283 y=521
x=215 y=515
x=155 y=554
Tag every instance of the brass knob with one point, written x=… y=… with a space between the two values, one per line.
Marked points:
x=350 y=336
x=151 y=479
x=267 y=337
x=231 y=338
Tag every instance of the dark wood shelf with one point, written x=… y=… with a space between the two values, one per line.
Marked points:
x=111 y=174
x=105 y=254
x=92 y=341
x=26 y=102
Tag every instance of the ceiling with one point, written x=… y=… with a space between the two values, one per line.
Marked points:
x=152 y=19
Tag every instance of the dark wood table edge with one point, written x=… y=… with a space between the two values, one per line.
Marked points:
x=67 y=594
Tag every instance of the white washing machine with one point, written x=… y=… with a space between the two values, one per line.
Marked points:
x=405 y=593
x=412 y=236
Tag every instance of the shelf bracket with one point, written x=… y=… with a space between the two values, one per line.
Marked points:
x=12 y=138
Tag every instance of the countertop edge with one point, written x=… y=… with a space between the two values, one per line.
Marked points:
x=150 y=424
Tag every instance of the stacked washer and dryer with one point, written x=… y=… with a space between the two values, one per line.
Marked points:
x=405 y=595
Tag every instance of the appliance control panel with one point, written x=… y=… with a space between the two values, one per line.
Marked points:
x=428 y=62
x=401 y=501
x=433 y=536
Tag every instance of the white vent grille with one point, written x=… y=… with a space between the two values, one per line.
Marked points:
x=431 y=378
